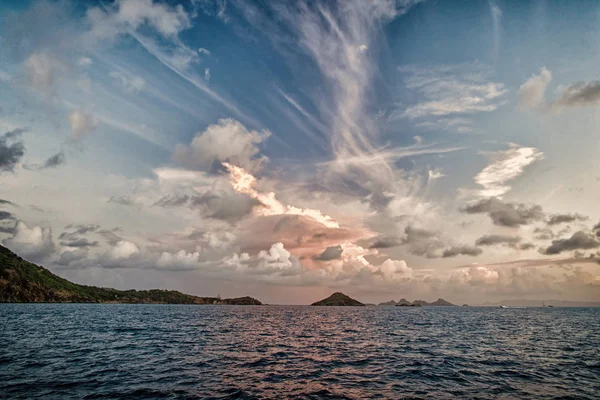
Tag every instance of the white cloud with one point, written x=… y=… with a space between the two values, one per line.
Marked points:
x=131 y=84
x=207 y=74
x=82 y=124
x=44 y=71
x=450 y=90
x=506 y=166
x=531 y=93
x=129 y=15
x=229 y=141
x=123 y=249
x=203 y=51
x=84 y=62
x=33 y=243
x=181 y=259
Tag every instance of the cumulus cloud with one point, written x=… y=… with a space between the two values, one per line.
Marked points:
x=579 y=241
x=531 y=93
x=506 y=166
x=596 y=229
x=123 y=249
x=82 y=124
x=68 y=257
x=465 y=250
x=226 y=141
x=556 y=219
x=80 y=242
x=491 y=240
x=506 y=214
x=11 y=149
x=33 y=243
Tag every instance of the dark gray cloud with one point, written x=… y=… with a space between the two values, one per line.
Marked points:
x=229 y=206
x=74 y=236
x=579 y=241
x=490 y=240
x=4 y=215
x=579 y=94
x=422 y=242
x=122 y=200
x=565 y=218
x=110 y=236
x=80 y=229
x=330 y=253
x=8 y=203
x=55 y=160
x=506 y=214
x=79 y=242
x=173 y=201
x=543 y=234
x=596 y=229
x=464 y=250
x=382 y=242
x=526 y=246
x=11 y=149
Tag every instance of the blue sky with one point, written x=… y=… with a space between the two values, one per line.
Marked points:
x=387 y=148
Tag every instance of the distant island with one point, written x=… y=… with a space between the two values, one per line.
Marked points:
x=417 y=303
x=25 y=282
x=338 y=299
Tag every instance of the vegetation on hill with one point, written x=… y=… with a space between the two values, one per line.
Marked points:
x=338 y=299
x=25 y=282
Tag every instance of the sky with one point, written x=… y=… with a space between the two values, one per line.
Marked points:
x=287 y=150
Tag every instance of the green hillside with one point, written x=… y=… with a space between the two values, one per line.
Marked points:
x=24 y=282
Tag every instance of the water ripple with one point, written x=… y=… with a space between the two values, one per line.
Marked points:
x=72 y=351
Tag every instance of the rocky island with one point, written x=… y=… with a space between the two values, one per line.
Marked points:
x=25 y=282
x=417 y=303
x=338 y=299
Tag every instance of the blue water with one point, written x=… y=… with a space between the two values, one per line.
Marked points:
x=75 y=351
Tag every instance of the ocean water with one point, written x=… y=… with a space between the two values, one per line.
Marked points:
x=76 y=351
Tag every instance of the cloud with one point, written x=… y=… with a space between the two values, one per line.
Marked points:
x=6 y=215
x=7 y=202
x=81 y=242
x=33 y=243
x=506 y=166
x=55 y=160
x=556 y=219
x=596 y=229
x=129 y=15
x=451 y=90
x=11 y=150
x=462 y=250
x=123 y=249
x=330 y=253
x=82 y=124
x=207 y=74
x=226 y=141
x=506 y=214
x=44 y=71
x=579 y=241
x=243 y=182
x=491 y=240
x=580 y=94
x=68 y=257
x=129 y=83
x=531 y=93
x=203 y=51
x=122 y=200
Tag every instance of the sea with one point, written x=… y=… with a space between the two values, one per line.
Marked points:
x=117 y=351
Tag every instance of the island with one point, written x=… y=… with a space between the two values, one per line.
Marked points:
x=417 y=303
x=338 y=299
x=25 y=282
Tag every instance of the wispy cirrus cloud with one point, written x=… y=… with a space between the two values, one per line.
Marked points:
x=505 y=166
